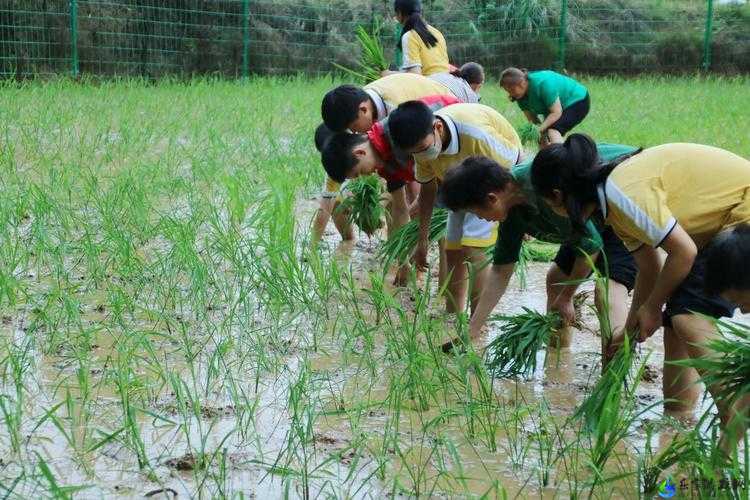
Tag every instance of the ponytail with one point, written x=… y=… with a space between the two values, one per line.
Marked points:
x=575 y=169
x=412 y=10
x=472 y=72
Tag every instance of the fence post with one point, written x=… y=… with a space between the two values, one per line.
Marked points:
x=707 y=36
x=74 y=37
x=245 y=38
x=563 y=31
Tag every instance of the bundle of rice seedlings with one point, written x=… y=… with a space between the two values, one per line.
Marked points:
x=539 y=251
x=372 y=61
x=728 y=366
x=602 y=406
x=363 y=203
x=529 y=133
x=513 y=352
x=399 y=247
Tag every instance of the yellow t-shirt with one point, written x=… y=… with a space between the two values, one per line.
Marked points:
x=475 y=129
x=417 y=54
x=701 y=188
x=390 y=91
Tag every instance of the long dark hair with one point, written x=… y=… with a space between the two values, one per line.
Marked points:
x=575 y=169
x=412 y=10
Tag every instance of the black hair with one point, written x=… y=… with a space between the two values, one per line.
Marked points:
x=337 y=156
x=410 y=123
x=573 y=168
x=468 y=184
x=726 y=261
x=341 y=105
x=412 y=10
x=322 y=134
x=472 y=72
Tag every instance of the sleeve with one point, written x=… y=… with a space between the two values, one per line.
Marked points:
x=331 y=188
x=410 y=49
x=424 y=172
x=509 y=239
x=590 y=242
x=639 y=216
x=549 y=93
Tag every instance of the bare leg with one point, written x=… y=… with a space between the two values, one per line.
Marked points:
x=694 y=331
x=554 y=136
x=341 y=221
x=478 y=258
x=616 y=308
x=680 y=384
x=456 y=299
x=555 y=275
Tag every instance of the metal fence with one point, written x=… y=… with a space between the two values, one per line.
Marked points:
x=155 y=38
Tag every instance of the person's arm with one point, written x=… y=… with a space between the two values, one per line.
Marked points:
x=555 y=112
x=399 y=216
x=426 y=202
x=563 y=302
x=681 y=252
x=494 y=289
x=533 y=118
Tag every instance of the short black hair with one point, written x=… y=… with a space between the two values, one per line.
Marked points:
x=726 y=261
x=322 y=134
x=337 y=156
x=410 y=123
x=468 y=184
x=341 y=105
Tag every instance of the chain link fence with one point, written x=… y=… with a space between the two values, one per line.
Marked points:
x=157 y=38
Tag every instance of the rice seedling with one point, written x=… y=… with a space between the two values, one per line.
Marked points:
x=150 y=269
x=363 y=203
x=372 y=60
x=401 y=244
x=529 y=134
x=513 y=352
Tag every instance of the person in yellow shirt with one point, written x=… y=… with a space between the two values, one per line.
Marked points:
x=677 y=197
x=440 y=141
x=354 y=108
x=423 y=49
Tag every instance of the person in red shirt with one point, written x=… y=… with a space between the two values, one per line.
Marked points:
x=340 y=164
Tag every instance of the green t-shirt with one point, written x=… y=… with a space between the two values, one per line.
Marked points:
x=537 y=219
x=545 y=87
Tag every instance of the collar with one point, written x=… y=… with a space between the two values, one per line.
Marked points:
x=601 y=191
x=379 y=140
x=453 y=146
x=379 y=104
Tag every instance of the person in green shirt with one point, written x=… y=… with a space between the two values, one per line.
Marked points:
x=560 y=100
x=477 y=185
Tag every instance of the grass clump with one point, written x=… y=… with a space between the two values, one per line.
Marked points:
x=401 y=244
x=372 y=60
x=513 y=352
x=363 y=204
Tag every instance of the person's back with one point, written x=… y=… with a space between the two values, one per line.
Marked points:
x=401 y=87
x=545 y=86
x=458 y=86
x=703 y=188
x=416 y=53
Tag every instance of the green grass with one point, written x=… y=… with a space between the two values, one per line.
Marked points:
x=159 y=307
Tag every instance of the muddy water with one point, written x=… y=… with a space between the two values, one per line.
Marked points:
x=243 y=445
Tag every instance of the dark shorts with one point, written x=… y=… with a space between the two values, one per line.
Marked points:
x=614 y=261
x=690 y=297
x=572 y=115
